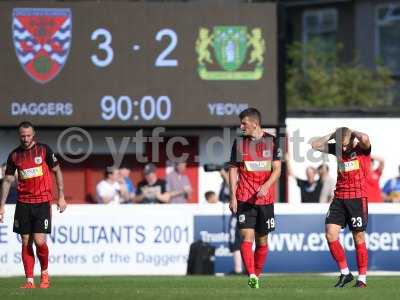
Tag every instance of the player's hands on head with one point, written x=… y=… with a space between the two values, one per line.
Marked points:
x=61 y=204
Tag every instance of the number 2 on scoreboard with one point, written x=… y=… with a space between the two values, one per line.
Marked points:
x=104 y=45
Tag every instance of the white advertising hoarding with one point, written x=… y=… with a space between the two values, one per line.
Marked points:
x=97 y=239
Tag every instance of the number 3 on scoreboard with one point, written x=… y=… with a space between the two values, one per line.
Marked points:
x=105 y=46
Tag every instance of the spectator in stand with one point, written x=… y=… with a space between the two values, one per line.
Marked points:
x=373 y=189
x=328 y=184
x=211 y=197
x=152 y=189
x=311 y=187
x=178 y=183
x=109 y=190
x=391 y=189
x=127 y=183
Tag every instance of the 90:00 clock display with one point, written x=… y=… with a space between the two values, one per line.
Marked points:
x=147 y=108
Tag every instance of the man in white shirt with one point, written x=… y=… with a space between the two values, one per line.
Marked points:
x=109 y=191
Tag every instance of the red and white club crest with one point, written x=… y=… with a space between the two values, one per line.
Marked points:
x=38 y=160
x=42 y=39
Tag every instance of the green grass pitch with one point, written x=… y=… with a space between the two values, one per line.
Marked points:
x=205 y=288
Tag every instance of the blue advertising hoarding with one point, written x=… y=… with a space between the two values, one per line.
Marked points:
x=299 y=244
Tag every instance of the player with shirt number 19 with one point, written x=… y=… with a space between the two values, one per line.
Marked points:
x=349 y=206
x=254 y=168
x=34 y=163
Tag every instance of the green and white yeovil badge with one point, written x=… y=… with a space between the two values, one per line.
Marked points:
x=234 y=49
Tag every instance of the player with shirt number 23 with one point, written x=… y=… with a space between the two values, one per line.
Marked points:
x=349 y=206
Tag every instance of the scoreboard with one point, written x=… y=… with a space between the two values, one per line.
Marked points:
x=136 y=64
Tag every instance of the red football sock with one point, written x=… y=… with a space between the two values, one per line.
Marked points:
x=338 y=255
x=42 y=252
x=260 y=257
x=28 y=259
x=247 y=255
x=362 y=258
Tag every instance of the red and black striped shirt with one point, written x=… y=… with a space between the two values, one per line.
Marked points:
x=254 y=159
x=353 y=168
x=34 y=177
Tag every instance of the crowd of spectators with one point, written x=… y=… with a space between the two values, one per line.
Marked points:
x=317 y=185
x=117 y=186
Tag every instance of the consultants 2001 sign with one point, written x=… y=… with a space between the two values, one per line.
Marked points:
x=75 y=63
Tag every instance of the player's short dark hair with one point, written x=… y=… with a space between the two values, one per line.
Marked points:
x=252 y=113
x=25 y=124
x=208 y=194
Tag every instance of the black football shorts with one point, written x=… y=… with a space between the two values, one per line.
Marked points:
x=261 y=218
x=32 y=218
x=351 y=212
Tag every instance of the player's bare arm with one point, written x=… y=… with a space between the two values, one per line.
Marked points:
x=363 y=139
x=61 y=203
x=321 y=143
x=276 y=173
x=233 y=178
x=5 y=188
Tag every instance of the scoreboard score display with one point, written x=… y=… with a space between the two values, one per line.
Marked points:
x=135 y=64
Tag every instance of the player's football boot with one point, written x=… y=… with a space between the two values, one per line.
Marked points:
x=28 y=285
x=254 y=283
x=360 y=284
x=343 y=280
x=44 y=281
